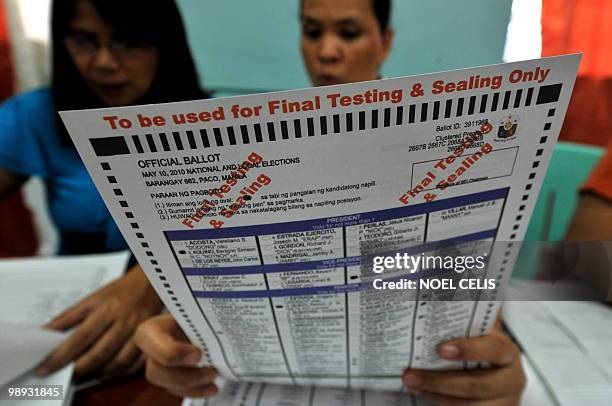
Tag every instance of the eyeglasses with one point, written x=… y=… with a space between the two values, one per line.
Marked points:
x=86 y=44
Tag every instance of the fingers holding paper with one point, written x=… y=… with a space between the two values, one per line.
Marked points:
x=104 y=324
x=500 y=384
x=172 y=361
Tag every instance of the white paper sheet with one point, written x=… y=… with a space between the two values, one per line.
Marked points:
x=34 y=291
x=256 y=217
x=568 y=344
x=22 y=348
x=536 y=393
x=591 y=325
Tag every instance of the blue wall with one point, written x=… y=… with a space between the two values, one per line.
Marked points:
x=247 y=46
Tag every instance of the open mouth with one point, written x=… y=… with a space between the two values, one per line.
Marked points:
x=327 y=80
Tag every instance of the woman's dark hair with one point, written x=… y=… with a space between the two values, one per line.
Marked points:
x=156 y=23
x=382 y=11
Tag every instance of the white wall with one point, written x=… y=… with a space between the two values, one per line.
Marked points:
x=29 y=30
x=524 y=38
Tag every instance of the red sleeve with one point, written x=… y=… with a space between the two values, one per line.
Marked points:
x=600 y=180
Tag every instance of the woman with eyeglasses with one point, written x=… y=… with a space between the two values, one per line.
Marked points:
x=106 y=53
x=346 y=41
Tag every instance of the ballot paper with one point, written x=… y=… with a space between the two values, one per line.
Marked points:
x=259 y=219
x=254 y=394
x=250 y=394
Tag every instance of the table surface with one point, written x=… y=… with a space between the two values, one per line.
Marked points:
x=134 y=391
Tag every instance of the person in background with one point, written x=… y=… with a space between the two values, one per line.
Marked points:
x=105 y=53
x=347 y=41
x=593 y=218
x=586 y=251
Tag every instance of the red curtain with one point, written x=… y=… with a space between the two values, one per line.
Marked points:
x=17 y=235
x=6 y=68
x=570 y=26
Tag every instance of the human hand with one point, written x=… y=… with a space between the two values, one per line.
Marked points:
x=172 y=361
x=501 y=384
x=105 y=323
